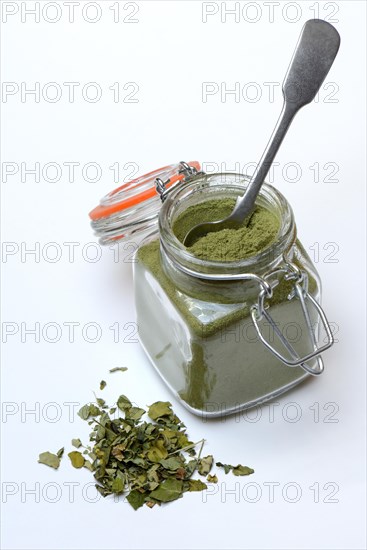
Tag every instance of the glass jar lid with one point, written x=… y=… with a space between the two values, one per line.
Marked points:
x=133 y=207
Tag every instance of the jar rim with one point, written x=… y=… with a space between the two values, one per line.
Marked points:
x=238 y=182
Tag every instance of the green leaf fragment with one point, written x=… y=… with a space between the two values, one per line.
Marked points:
x=157 y=451
x=49 y=459
x=170 y=489
x=183 y=441
x=238 y=470
x=197 y=485
x=89 y=410
x=124 y=403
x=191 y=467
x=118 y=486
x=102 y=384
x=88 y=465
x=117 y=369
x=242 y=470
x=159 y=409
x=76 y=443
x=205 y=465
x=94 y=411
x=77 y=459
x=171 y=463
x=136 y=499
x=212 y=479
x=60 y=452
x=134 y=413
x=226 y=467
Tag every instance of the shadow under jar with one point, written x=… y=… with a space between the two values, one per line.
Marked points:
x=226 y=336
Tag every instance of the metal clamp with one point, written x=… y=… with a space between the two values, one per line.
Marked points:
x=160 y=186
x=299 y=291
x=185 y=169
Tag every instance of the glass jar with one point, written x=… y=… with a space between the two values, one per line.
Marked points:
x=226 y=336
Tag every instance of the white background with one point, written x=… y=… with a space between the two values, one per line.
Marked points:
x=169 y=53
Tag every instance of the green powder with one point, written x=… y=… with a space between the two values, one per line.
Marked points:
x=149 y=255
x=228 y=245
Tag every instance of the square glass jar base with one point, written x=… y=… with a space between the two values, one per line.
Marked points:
x=217 y=410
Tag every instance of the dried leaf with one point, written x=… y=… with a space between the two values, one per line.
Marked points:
x=76 y=443
x=118 y=451
x=134 y=413
x=136 y=499
x=191 y=467
x=77 y=459
x=170 y=489
x=157 y=451
x=60 y=452
x=240 y=470
x=159 y=409
x=121 y=369
x=226 y=467
x=205 y=465
x=49 y=459
x=197 y=485
x=123 y=403
x=88 y=411
x=212 y=479
x=102 y=384
x=118 y=486
x=181 y=473
x=88 y=465
x=171 y=463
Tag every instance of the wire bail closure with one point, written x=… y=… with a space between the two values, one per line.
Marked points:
x=300 y=292
x=185 y=169
x=259 y=310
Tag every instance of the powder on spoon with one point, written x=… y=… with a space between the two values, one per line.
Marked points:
x=227 y=245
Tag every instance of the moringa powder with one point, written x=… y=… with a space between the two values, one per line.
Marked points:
x=227 y=245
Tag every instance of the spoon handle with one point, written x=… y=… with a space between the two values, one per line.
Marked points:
x=315 y=52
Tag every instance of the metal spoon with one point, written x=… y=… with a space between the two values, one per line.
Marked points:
x=314 y=54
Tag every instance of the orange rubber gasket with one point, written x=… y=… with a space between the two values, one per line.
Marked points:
x=103 y=211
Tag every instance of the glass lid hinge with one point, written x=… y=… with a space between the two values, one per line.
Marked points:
x=162 y=186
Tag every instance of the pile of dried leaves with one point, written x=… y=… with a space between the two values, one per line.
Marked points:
x=151 y=462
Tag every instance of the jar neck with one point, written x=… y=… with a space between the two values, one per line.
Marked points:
x=186 y=270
